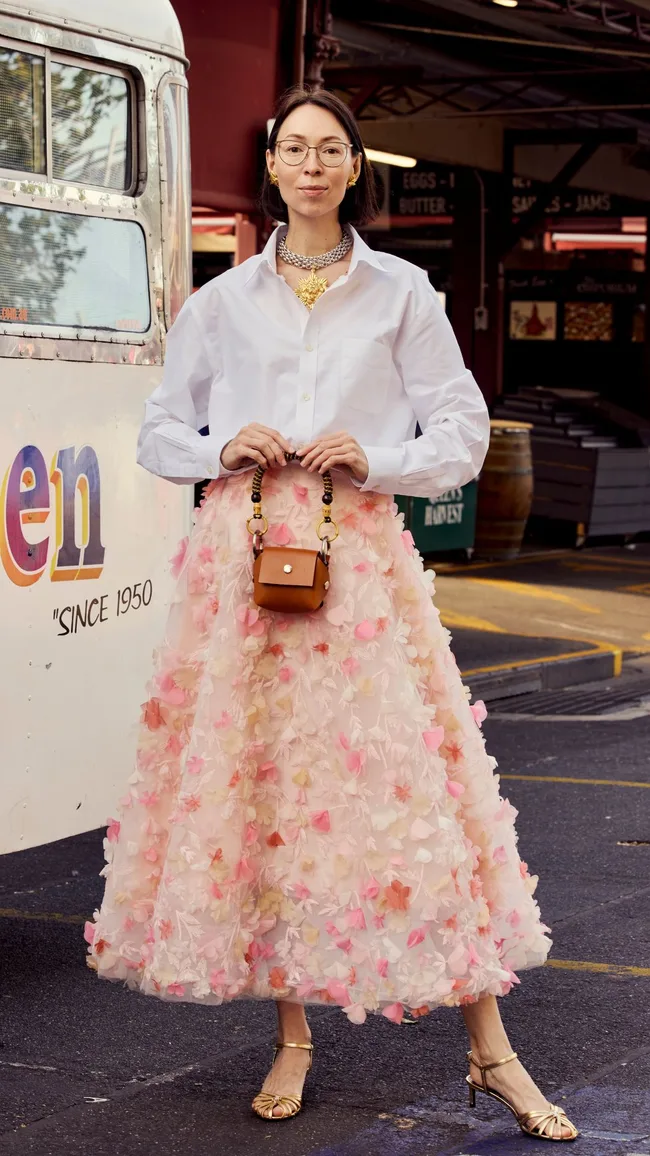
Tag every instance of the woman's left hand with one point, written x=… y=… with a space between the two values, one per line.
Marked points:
x=337 y=449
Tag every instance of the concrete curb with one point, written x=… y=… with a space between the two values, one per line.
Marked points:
x=549 y=674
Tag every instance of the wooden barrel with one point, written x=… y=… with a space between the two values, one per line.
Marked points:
x=505 y=491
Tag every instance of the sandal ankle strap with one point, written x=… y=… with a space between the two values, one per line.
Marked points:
x=483 y=1068
x=287 y=1044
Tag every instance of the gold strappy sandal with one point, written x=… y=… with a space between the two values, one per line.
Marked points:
x=531 y=1123
x=265 y=1102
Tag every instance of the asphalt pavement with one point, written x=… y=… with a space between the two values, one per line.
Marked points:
x=547 y=618
x=598 y=595
x=89 y=1068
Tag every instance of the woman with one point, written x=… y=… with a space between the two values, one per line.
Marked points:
x=313 y=817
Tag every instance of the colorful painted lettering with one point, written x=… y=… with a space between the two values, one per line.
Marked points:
x=25 y=498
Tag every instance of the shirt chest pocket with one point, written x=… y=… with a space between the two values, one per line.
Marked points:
x=366 y=368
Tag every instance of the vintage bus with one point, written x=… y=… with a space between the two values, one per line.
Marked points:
x=95 y=250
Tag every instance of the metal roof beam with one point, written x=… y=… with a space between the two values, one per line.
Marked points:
x=620 y=18
x=559 y=183
x=514 y=41
x=505 y=96
x=389 y=101
x=545 y=136
x=588 y=140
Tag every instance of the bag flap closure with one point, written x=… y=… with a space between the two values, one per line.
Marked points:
x=273 y=559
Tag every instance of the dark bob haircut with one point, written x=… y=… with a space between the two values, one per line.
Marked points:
x=359 y=204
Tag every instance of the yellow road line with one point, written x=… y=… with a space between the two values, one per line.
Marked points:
x=642 y=588
x=450 y=568
x=591 y=567
x=566 y=779
x=529 y=590
x=469 y=622
x=597 y=648
x=638 y=563
x=586 y=965
x=547 y=556
x=52 y=916
x=603 y=567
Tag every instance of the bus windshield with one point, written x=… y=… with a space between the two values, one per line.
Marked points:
x=89 y=125
x=68 y=270
x=22 y=111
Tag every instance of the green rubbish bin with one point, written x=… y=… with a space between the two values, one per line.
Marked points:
x=447 y=523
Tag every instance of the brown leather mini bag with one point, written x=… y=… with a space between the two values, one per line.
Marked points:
x=290 y=579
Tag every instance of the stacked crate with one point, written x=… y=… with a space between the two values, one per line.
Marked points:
x=591 y=460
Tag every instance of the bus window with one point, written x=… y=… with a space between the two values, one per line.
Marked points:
x=177 y=231
x=22 y=106
x=66 y=270
x=90 y=127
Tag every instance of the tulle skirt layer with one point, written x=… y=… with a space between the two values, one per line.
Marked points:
x=312 y=814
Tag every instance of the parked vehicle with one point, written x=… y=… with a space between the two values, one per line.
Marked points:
x=95 y=250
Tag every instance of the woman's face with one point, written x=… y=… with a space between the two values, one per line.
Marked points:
x=312 y=188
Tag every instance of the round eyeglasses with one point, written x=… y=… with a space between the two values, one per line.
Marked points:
x=331 y=154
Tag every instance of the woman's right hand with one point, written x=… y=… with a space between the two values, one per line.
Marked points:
x=257 y=442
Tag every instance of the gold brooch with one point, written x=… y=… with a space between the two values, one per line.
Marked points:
x=311 y=288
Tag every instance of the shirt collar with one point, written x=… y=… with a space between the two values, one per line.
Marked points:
x=363 y=252
x=360 y=253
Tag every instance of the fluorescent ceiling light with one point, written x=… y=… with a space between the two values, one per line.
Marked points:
x=212 y=222
x=506 y=3
x=634 y=238
x=633 y=224
x=390 y=159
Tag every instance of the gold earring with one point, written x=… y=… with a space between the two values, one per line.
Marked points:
x=352 y=180
x=273 y=177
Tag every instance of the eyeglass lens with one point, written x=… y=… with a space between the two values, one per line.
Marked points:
x=331 y=154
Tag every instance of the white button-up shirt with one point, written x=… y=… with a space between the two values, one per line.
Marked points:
x=375 y=356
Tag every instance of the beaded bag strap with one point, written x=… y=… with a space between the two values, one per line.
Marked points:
x=323 y=527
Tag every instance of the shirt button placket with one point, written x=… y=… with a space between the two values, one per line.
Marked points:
x=306 y=389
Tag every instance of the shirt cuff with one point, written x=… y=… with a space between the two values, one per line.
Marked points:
x=384 y=468
x=209 y=458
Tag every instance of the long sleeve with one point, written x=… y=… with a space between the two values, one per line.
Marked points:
x=169 y=443
x=447 y=402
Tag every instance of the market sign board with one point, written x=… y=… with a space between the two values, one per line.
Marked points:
x=427 y=192
x=423 y=192
x=444 y=523
x=570 y=202
x=573 y=305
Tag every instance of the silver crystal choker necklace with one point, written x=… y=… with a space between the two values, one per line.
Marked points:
x=321 y=260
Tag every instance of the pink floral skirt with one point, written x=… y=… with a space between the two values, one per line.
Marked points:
x=312 y=815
